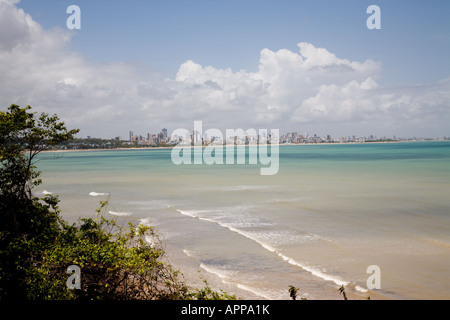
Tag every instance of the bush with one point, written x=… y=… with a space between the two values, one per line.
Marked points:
x=37 y=246
x=115 y=263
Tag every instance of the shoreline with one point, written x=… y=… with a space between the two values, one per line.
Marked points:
x=241 y=145
x=102 y=149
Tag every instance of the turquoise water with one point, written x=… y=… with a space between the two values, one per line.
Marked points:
x=329 y=213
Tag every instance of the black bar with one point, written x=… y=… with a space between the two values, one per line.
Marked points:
x=240 y=309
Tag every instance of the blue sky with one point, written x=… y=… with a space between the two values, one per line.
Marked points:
x=160 y=45
x=413 y=44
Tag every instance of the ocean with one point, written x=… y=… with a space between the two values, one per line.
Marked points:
x=328 y=217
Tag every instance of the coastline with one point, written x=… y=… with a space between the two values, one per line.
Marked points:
x=100 y=149
x=241 y=145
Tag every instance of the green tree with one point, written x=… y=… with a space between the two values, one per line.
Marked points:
x=37 y=245
x=26 y=222
x=23 y=136
x=116 y=262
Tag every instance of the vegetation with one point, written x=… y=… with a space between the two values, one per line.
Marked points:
x=27 y=224
x=37 y=246
x=293 y=292
x=342 y=291
x=98 y=143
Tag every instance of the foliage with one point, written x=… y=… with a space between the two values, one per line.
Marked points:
x=27 y=224
x=37 y=245
x=293 y=292
x=342 y=291
x=22 y=135
x=116 y=263
x=207 y=293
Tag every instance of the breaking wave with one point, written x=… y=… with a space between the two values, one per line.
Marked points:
x=96 y=194
x=120 y=213
x=253 y=236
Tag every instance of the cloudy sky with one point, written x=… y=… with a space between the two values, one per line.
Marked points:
x=300 y=66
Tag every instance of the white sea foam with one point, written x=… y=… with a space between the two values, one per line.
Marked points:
x=316 y=272
x=254 y=291
x=227 y=277
x=96 y=194
x=146 y=221
x=120 y=213
x=220 y=272
x=46 y=192
x=196 y=214
x=187 y=252
x=191 y=213
x=151 y=241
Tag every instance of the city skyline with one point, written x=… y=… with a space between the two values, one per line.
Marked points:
x=290 y=65
x=284 y=137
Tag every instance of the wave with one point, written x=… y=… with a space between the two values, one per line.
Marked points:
x=195 y=214
x=436 y=243
x=152 y=241
x=288 y=201
x=314 y=271
x=227 y=277
x=120 y=213
x=187 y=252
x=146 y=222
x=222 y=274
x=96 y=194
x=254 y=291
x=337 y=280
x=46 y=192
x=246 y=188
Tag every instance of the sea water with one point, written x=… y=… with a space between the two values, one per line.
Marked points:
x=329 y=213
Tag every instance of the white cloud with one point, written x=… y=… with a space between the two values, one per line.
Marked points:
x=290 y=90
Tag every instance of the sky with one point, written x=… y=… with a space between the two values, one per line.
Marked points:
x=304 y=66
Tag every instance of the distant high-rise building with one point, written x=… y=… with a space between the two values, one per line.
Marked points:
x=164 y=132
